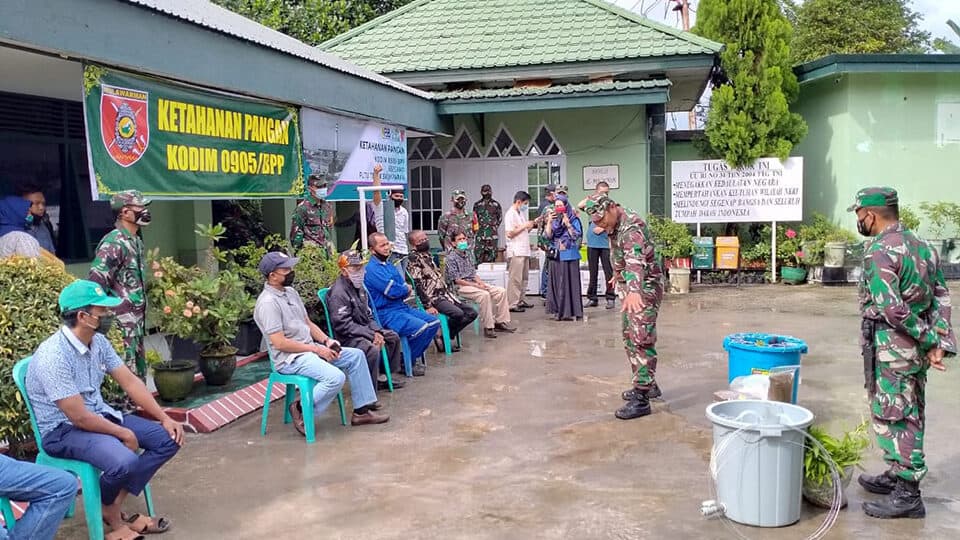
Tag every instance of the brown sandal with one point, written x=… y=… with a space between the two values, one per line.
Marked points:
x=148 y=525
x=296 y=411
x=123 y=533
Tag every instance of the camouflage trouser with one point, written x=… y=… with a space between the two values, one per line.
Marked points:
x=133 y=328
x=640 y=340
x=485 y=250
x=898 y=416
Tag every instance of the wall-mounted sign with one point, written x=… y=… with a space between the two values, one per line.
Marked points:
x=346 y=150
x=172 y=141
x=592 y=174
x=711 y=191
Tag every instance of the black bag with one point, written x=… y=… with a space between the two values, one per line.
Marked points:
x=553 y=254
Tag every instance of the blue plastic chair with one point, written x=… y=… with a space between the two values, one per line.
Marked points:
x=322 y=293
x=88 y=474
x=293 y=382
x=9 y=519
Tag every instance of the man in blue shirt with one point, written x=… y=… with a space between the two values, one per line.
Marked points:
x=389 y=290
x=63 y=385
x=598 y=249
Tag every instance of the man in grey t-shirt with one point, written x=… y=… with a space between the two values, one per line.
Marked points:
x=299 y=347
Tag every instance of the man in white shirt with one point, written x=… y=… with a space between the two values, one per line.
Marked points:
x=517 y=225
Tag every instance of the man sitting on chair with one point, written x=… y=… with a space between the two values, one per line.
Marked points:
x=299 y=347
x=388 y=290
x=63 y=385
x=353 y=322
x=432 y=288
x=494 y=308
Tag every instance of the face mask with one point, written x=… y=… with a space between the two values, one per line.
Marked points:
x=288 y=279
x=560 y=209
x=486 y=195
x=142 y=217
x=459 y=204
x=862 y=227
x=462 y=245
x=321 y=193
x=104 y=323
x=31 y=219
x=524 y=209
x=397 y=203
x=356 y=278
x=382 y=257
x=423 y=247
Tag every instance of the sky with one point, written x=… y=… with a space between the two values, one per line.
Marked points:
x=935 y=14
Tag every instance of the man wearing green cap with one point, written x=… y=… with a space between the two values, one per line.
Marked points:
x=638 y=275
x=118 y=267
x=905 y=330
x=312 y=221
x=457 y=220
x=63 y=384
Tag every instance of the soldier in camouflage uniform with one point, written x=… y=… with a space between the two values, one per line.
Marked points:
x=312 y=221
x=489 y=215
x=456 y=220
x=905 y=307
x=118 y=268
x=638 y=275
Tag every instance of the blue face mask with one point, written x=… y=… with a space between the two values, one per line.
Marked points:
x=525 y=209
x=463 y=245
x=30 y=219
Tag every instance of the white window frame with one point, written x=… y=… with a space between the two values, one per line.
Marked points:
x=454 y=153
x=492 y=152
x=417 y=211
x=532 y=149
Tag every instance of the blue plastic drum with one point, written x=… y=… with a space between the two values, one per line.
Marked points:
x=752 y=353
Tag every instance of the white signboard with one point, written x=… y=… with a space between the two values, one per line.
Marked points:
x=347 y=149
x=710 y=191
x=594 y=174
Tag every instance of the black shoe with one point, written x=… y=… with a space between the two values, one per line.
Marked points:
x=397 y=384
x=881 y=484
x=634 y=409
x=610 y=303
x=525 y=305
x=517 y=309
x=502 y=327
x=651 y=393
x=419 y=370
x=489 y=333
x=903 y=502
x=592 y=303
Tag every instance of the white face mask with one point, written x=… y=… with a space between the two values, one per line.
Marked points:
x=322 y=193
x=356 y=278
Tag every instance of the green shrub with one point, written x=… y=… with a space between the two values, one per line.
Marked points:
x=673 y=240
x=845 y=452
x=28 y=315
x=909 y=218
x=940 y=216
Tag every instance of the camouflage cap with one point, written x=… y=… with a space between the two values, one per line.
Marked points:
x=351 y=257
x=562 y=189
x=130 y=197
x=458 y=194
x=549 y=188
x=317 y=180
x=875 y=196
x=597 y=204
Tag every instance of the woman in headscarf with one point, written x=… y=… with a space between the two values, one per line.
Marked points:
x=564 y=231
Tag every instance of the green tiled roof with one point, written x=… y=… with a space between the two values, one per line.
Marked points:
x=434 y=35
x=566 y=89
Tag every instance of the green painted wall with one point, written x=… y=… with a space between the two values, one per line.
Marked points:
x=597 y=136
x=876 y=129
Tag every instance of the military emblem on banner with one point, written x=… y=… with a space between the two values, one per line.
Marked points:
x=124 y=125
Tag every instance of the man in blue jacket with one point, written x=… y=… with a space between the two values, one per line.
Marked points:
x=388 y=290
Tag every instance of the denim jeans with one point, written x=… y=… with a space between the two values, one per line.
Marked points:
x=122 y=468
x=330 y=377
x=49 y=492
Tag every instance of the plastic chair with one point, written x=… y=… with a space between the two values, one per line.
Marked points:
x=322 y=293
x=88 y=474
x=9 y=519
x=292 y=382
x=404 y=342
x=444 y=320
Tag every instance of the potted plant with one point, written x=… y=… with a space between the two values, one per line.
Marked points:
x=845 y=453
x=835 y=247
x=190 y=303
x=173 y=379
x=790 y=257
x=674 y=241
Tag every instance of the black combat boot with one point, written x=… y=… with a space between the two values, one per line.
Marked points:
x=652 y=393
x=903 y=502
x=881 y=484
x=634 y=408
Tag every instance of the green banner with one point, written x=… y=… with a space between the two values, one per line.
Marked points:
x=172 y=141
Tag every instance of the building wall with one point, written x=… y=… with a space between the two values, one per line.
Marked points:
x=877 y=129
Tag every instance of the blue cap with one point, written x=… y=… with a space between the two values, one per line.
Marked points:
x=276 y=259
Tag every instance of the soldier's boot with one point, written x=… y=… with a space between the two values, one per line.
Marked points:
x=881 y=484
x=634 y=409
x=634 y=393
x=903 y=502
